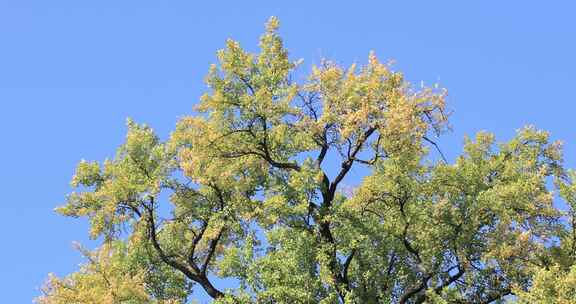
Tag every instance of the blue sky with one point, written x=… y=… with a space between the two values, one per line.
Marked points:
x=72 y=71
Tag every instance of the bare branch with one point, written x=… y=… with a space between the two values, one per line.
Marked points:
x=437 y=148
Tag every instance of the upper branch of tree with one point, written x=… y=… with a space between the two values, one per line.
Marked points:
x=347 y=164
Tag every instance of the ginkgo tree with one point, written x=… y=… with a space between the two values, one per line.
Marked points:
x=250 y=189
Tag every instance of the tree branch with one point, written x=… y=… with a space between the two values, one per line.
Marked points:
x=174 y=263
x=437 y=148
x=347 y=164
x=211 y=251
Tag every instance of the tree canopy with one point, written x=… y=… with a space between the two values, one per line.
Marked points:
x=251 y=189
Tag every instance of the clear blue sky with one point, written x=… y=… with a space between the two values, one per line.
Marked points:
x=72 y=71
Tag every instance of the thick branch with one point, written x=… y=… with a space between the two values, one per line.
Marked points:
x=195 y=241
x=192 y=274
x=347 y=266
x=451 y=279
x=211 y=251
x=324 y=146
x=414 y=290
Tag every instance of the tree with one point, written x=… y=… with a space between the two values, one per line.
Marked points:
x=253 y=184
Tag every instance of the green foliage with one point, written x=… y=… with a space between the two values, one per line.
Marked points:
x=253 y=197
x=553 y=285
x=118 y=273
